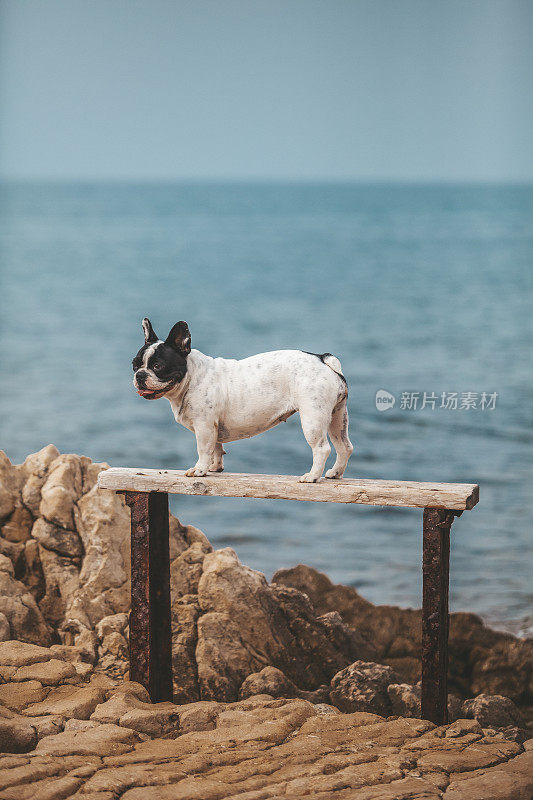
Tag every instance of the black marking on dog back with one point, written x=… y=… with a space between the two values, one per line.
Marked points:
x=322 y=357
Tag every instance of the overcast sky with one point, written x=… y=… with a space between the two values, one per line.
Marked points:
x=267 y=89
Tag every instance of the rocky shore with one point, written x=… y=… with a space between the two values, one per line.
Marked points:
x=293 y=688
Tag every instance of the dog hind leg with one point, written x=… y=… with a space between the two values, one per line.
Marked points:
x=218 y=460
x=338 y=433
x=315 y=432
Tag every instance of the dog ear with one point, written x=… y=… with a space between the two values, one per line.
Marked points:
x=180 y=338
x=150 y=335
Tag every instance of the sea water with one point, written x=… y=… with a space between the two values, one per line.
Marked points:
x=423 y=292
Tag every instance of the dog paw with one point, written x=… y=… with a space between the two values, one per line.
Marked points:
x=215 y=468
x=333 y=473
x=194 y=472
x=308 y=478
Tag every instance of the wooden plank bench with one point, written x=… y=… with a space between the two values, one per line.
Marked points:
x=147 y=490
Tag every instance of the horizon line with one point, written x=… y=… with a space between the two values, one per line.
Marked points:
x=288 y=181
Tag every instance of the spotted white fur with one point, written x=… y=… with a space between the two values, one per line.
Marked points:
x=223 y=399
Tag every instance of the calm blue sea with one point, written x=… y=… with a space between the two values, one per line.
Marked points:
x=416 y=289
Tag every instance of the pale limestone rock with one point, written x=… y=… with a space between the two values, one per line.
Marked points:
x=18 y=527
x=49 y=673
x=481 y=659
x=362 y=686
x=117 y=706
x=461 y=727
x=493 y=711
x=271 y=681
x=104 y=527
x=38 y=463
x=405 y=699
x=68 y=701
x=5 y=631
x=10 y=481
x=25 y=619
x=52 y=537
x=104 y=740
x=117 y=623
x=185 y=613
x=48 y=725
x=247 y=624
x=17 y=735
x=199 y=716
x=20 y=654
x=61 y=490
x=16 y=696
x=158 y=719
x=6 y=565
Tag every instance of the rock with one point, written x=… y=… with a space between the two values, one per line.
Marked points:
x=158 y=719
x=21 y=654
x=405 y=700
x=68 y=701
x=247 y=624
x=271 y=681
x=18 y=528
x=17 y=735
x=9 y=487
x=200 y=716
x=52 y=537
x=185 y=614
x=31 y=572
x=12 y=552
x=49 y=673
x=5 y=630
x=48 y=725
x=493 y=711
x=113 y=656
x=463 y=726
x=61 y=490
x=103 y=740
x=17 y=696
x=481 y=660
x=507 y=781
x=117 y=623
x=454 y=707
x=35 y=469
x=6 y=565
x=61 y=578
x=362 y=686
x=104 y=527
x=126 y=697
x=38 y=463
x=263 y=748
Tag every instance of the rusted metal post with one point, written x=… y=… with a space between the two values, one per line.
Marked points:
x=435 y=617
x=150 y=634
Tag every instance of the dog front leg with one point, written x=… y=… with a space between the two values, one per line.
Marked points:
x=206 y=440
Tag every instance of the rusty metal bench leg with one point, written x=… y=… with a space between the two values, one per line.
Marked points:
x=435 y=617
x=150 y=634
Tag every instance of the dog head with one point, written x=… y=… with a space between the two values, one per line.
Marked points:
x=160 y=365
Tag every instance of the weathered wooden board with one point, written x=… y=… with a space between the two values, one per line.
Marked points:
x=456 y=496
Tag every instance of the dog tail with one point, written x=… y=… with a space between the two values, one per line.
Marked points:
x=333 y=363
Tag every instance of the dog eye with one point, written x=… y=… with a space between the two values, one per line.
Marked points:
x=157 y=365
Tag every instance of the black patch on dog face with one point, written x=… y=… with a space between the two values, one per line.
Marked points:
x=167 y=364
x=167 y=361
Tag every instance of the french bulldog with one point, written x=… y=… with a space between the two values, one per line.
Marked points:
x=225 y=399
